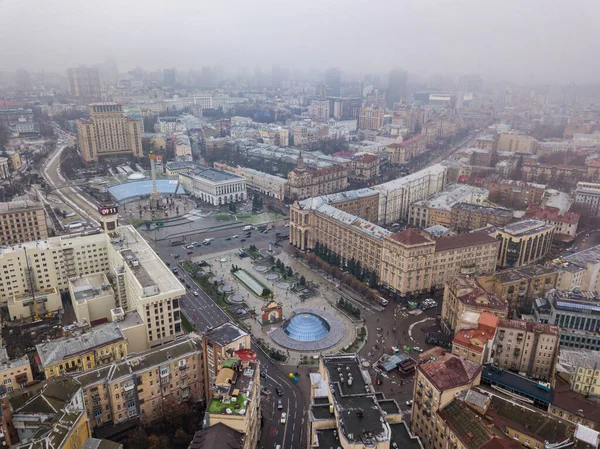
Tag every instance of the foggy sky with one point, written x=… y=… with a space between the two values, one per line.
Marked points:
x=518 y=40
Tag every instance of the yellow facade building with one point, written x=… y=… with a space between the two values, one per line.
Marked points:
x=100 y=345
x=22 y=221
x=145 y=385
x=108 y=132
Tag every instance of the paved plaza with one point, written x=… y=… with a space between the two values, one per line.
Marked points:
x=342 y=331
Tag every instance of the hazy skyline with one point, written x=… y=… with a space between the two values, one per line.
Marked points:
x=536 y=41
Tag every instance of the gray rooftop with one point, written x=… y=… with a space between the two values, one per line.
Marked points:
x=212 y=174
x=523 y=273
x=525 y=227
x=62 y=348
x=488 y=210
x=142 y=361
x=579 y=358
x=225 y=334
x=14 y=206
x=357 y=223
x=96 y=443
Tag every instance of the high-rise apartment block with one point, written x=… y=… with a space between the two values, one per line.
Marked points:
x=84 y=83
x=140 y=280
x=108 y=132
x=370 y=118
x=397 y=84
x=22 y=221
x=320 y=110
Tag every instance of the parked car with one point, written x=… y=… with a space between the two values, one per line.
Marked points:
x=190 y=252
x=409 y=402
x=243 y=240
x=176 y=256
x=228 y=238
x=262 y=375
x=190 y=246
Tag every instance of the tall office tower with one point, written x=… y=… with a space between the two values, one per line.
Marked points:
x=206 y=79
x=396 y=86
x=470 y=83
x=333 y=80
x=22 y=80
x=108 y=132
x=84 y=83
x=169 y=77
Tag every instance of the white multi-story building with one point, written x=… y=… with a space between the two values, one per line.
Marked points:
x=588 y=195
x=396 y=196
x=319 y=110
x=270 y=185
x=140 y=280
x=214 y=186
x=438 y=208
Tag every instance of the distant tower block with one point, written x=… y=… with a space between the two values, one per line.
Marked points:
x=155 y=197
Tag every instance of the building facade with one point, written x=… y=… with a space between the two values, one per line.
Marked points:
x=399 y=153
x=515 y=143
x=464 y=294
x=397 y=196
x=265 y=183
x=471 y=253
x=522 y=243
x=22 y=221
x=214 y=186
x=519 y=287
x=84 y=83
x=527 y=348
x=575 y=313
x=144 y=386
x=140 y=280
x=319 y=110
x=587 y=194
x=465 y=217
x=370 y=118
x=108 y=132
x=306 y=183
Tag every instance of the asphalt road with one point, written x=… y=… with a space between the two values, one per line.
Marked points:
x=219 y=244
x=202 y=311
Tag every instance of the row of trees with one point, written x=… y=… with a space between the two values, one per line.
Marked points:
x=352 y=266
x=349 y=307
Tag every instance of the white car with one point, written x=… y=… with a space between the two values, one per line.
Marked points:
x=283 y=416
x=409 y=402
x=234 y=236
x=195 y=293
x=189 y=247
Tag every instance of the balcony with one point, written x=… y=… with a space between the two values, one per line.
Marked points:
x=165 y=380
x=95 y=393
x=128 y=395
x=21 y=378
x=128 y=386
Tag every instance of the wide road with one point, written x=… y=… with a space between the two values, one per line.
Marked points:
x=204 y=313
x=70 y=195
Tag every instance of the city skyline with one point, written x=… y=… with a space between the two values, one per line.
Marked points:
x=422 y=37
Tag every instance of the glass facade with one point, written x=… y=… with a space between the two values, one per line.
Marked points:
x=306 y=327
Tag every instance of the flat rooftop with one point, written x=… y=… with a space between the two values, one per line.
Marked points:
x=91 y=286
x=526 y=227
x=140 y=362
x=151 y=270
x=56 y=350
x=486 y=210
x=519 y=383
x=356 y=223
x=19 y=205
x=523 y=273
x=402 y=182
x=213 y=175
x=578 y=358
x=225 y=334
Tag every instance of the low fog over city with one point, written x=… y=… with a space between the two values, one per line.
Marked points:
x=290 y=225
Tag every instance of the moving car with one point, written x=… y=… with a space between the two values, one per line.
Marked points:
x=247 y=228
x=190 y=252
x=409 y=402
x=190 y=246
x=176 y=256
x=279 y=404
x=195 y=293
x=283 y=416
x=188 y=286
x=279 y=391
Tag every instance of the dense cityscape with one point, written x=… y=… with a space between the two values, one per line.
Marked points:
x=288 y=257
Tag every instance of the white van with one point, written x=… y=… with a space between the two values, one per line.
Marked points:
x=247 y=228
x=383 y=302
